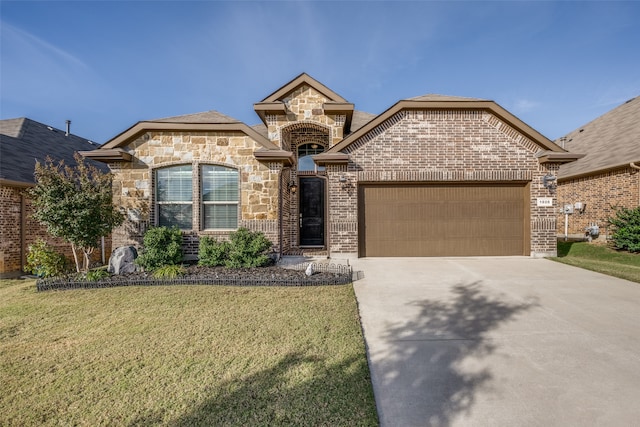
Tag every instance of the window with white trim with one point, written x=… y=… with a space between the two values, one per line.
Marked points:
x=218 y=201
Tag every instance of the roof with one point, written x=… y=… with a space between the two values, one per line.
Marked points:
x=211 y=116
x=23 y=141
x=204 y=121
x=437 y=97
x=610 y=141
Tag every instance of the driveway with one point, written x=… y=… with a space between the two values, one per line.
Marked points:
x=509 y=341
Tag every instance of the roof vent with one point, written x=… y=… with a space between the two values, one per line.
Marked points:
x=68 y=122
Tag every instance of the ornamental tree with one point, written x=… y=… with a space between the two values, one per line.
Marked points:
x=75 y=204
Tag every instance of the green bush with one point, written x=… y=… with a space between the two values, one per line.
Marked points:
x=212 y=253
x=169 y=272
x=161 y=246
x=248 y=249
x=244 y=249
x=44 y=261
x=96 y=274
x=626 y=229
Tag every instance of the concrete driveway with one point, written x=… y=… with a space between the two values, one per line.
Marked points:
x=500 y=342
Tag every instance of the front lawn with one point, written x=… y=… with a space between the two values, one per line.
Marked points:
x=601 y=259
x=182 y=356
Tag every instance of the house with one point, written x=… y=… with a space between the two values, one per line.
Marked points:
x=607 y=176
x=23 y=142
x=430 y=176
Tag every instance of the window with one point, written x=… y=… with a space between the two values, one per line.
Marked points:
x=305 y=162
x=174 y=196
x=219 y=197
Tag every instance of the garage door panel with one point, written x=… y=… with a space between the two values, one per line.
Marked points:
x=443 y=220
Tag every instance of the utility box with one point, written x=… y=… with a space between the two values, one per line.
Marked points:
x=578 y=206
x=568 y=209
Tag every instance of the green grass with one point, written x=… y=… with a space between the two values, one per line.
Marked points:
x=601 y=259
x=182 y=356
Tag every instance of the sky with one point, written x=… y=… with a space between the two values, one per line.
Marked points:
x=106 y=65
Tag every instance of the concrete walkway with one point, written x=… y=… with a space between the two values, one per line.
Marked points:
x=500 y=342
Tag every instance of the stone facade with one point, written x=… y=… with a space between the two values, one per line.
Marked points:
x=133 y=182
x=599 y=193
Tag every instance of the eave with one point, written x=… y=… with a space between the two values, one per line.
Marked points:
x=563 y=178
x=286 y=157
x=113 y=155
x=331 y=159
x=17 y=184
x=556 y=157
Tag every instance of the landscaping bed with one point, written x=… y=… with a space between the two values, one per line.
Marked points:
x=324 y=274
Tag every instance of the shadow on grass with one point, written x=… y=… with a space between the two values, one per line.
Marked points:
x=335 y=394
x=564 y=248
x=441 y=352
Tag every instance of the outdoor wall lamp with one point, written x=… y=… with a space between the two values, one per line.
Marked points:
x=343 y=179
x=548 y=181
x=293 y=187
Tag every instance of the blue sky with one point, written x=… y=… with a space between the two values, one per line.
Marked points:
x=108 y=64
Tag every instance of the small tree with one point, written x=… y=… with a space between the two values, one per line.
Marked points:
x=626 y=229
x=75 y=204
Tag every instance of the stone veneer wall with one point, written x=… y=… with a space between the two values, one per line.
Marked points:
x=18 y=230
x=600 y=192
x=440 y=146
x=133 y=183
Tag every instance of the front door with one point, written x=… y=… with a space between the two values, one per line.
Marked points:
x=311 y=211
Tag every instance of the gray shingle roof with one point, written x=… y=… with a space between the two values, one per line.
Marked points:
x=436 y=97
x=204 y=117
x=609 y=141
x=23 y=141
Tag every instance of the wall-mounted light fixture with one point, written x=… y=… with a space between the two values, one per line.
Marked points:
x=293 y=187
x=549 y=182
x=343 y=179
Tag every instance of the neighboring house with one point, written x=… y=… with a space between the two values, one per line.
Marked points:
x=609 y=174
x=431 y=176
x=22 y=143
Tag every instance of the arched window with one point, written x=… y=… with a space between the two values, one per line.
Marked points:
x=305 y=162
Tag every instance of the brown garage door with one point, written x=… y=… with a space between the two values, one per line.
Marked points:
x=443 y=220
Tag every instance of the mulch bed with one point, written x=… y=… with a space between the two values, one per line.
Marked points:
x=197 y=275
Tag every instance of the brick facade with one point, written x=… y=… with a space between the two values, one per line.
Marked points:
x=18 y=230
x=600 y=193
x=440 y=146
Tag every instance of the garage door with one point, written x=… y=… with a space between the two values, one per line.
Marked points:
x=443 y=220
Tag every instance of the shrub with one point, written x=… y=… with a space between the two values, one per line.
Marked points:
x=248 y=249
x=626 y=229
x=169 y=272
x=44 y=261
x=212 y=253
x=161 y=246
x=97 y=274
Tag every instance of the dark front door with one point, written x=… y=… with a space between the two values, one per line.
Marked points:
x=311 y=211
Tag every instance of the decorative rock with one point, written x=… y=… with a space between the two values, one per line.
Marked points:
x=122 y=260
x=309 y=271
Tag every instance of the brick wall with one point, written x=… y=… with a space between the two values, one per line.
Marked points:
x=18 y=230
x=440 y=146
x=600 y=192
